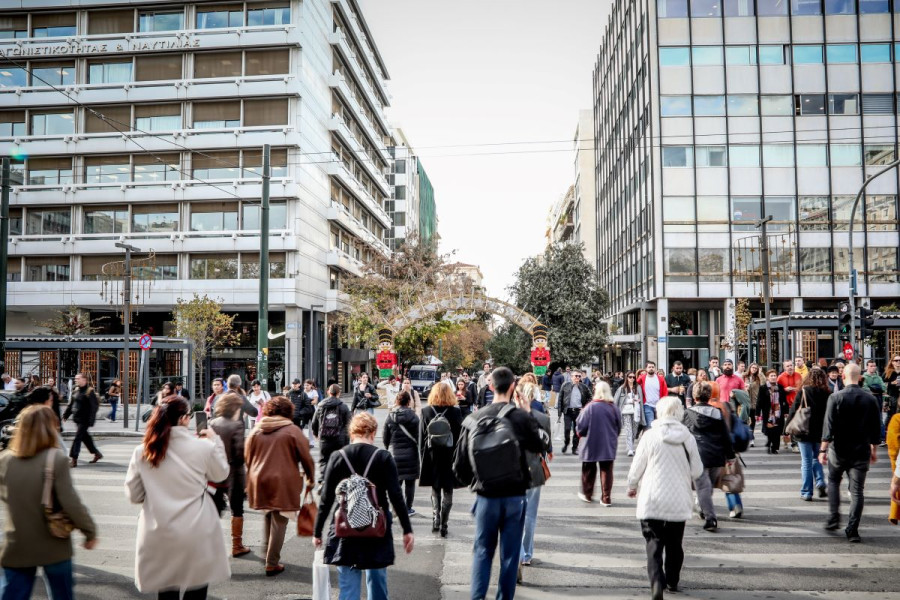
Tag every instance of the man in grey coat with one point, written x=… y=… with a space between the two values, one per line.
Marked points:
x=572 y=397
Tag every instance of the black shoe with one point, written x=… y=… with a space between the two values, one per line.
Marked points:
x=823 y=492
x=832 y=524
x=853 y=537
x=443 y=532
x=711 y=525
x=566 y=447
x=574 y=450
x=673 y=588
x=656 y=591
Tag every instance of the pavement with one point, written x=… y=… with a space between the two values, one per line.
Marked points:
x=777 y=551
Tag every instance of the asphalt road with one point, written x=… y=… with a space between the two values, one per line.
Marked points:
x=779 y=550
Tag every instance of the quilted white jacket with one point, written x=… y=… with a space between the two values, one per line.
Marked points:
x=665 y=465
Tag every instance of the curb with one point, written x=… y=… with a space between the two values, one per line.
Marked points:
x=99 y=435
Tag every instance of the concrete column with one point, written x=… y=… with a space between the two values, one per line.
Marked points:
x=293 y=322
x=662 y=336
x=730 y=333
x=796 y=305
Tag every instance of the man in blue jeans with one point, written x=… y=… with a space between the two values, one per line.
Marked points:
x=499 y=510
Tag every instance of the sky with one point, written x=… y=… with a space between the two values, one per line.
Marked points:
x=480 y=74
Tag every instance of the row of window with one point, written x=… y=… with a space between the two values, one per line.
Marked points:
x=145 y=218
x=778 y=155
x=355 y=166
x=239 y=265
x=219 y=114
x=675 y=9
x=365 y=104
x=99 y=22
x=351 y=120
x=350 y=245
x=158 y=67
x=778 y=54
x=816 y=264
x=341 y=196
x=708 y=214
x=771 y=105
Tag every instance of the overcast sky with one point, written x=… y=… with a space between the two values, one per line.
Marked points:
x=475 y=72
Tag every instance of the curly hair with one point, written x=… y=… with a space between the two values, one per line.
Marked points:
x=279 y=406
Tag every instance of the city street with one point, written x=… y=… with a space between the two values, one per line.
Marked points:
x=776 y=551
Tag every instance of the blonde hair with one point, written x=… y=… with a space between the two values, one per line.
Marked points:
x=35 y=431
x=228 y=404
x=528 y=378
x=602 y=391
x=363 y=425
x=442 y=395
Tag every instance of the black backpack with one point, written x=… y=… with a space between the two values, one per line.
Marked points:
x=494 y=453
x=439 y=433
x=330 y=424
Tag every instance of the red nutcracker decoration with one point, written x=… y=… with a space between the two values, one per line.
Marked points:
x=386 y=359
x=540 y=350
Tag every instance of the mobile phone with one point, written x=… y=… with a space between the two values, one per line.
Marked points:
x=201 y=420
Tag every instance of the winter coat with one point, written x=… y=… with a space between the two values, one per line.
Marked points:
x=565 y=395
x=232 y=434
x=764 y=409
x=360 y=402
x=483 y=399
x=706 y=424
x=83 y=407
x=817 y=401
x=362 y=553
x=892 y=437
x=557 y=381
x=437 y=463
x=753 y=386
x=665 y=466
x=303 y=408
x=638 y=409
x=343 y=414
x=598 y=426
x=533 y=459
x=178 y=538
x=272 y=452
x=401 y=437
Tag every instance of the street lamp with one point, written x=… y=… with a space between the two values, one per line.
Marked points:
x=125 y=365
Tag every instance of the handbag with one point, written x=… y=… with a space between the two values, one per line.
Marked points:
x=306 y=518
x=58 y=522
x=545 y=467
x=799 y=423
x=731 y=478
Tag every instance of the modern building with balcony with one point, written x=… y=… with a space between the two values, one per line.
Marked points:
x=710 y=114
x=561 y=219
x=145 y=122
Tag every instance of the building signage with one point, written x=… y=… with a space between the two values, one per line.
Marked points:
x=98 y=47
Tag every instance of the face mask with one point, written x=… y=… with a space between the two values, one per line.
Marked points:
x=728 y=371
x=693 y=377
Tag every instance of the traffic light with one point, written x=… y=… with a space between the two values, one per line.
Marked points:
x=866 y=322
x=845 y=315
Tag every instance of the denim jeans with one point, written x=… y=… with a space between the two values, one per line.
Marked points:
x=114 y=403
x=532 y=501
x=810 y=469
x=856 y=471
x=733 y=501
x=503 y=517
x=649 y=415
x=58 y=577
x=350 y=583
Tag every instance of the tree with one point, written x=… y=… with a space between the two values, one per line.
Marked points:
x=465 y=346
x=202 y=322
x=68 y=322
x=742 y=318
x=510 y=347
x=560 y=289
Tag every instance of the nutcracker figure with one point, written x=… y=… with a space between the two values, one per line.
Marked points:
x=386 y=359
x=540 y=350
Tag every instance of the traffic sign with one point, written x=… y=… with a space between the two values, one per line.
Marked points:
x=848 y=351
x=145 y=342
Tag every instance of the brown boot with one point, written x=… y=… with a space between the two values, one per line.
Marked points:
x=237 y=532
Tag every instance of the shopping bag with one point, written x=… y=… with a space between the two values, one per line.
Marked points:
x=321 y=585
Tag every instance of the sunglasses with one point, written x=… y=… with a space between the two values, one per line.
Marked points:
x=631 y=377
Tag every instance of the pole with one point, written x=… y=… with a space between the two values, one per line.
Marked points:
x=137 y=420
x=851 y=279
x=764 y=263
x=126 y=329
x=4 y=252
x=262 y=352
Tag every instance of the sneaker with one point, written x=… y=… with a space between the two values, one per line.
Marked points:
x=752 y=445
x=631 y=453
x=584 y=498
x=823 y=492
x=526 y=563
x=711 y=525
x=737 y=513
x=795 y=449
x=806 y=498
x=853 y=537
x=832 y=524
x=412 y=512
x=565 y=448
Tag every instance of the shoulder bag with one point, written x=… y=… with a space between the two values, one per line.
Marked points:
x=799 y=424
x=58 y=522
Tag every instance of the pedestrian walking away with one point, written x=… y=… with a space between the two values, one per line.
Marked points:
x=653 y=387
x=356 y=466
x=167 y=476
x=629 y=400
x=439 y=430
x=83 y=409
x=814 y=397
x=401 y=438
x=572 y=397
x=230 y=429
x=329 y=425
x=662 y=473
x=850 y=437
x=34 y=473
x=599 y=424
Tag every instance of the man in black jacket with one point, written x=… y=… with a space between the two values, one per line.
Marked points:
x=83 y=410
x=572 y=397
x=303 y=408
x=850 y=438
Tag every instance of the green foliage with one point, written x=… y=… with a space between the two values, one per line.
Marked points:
x=69 y=321
x=202 y=322
x=560 y=289
x=465 y=346
x=510 y=347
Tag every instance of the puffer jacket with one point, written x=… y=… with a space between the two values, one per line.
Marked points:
x=401 y=437
x=232 y=434
x=709 y=430
x=666 y=464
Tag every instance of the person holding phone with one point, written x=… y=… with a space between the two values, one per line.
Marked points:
x=365 y=396
x=168 y=476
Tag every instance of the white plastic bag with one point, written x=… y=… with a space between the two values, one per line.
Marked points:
x=321 y=584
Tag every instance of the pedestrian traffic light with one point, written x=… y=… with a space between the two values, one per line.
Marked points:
x=845 y=315
x=866 y=322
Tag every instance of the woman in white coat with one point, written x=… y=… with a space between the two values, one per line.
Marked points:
x=666 y=464
x=180 y=548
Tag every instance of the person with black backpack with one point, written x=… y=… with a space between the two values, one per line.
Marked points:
x=439 y=431
x=401 y=437
x=490 y=459
x=329 y=425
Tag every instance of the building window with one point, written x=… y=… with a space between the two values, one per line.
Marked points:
x=739 y=8
x=156 y=168
x=845 y=155
x=13 y=270
x=166 y=267
x=840 y=211
x=881 y=213
x=48 y=221
x=874 y=6
x=813 y=213
x=875 y=53
x=712 y=214
x=107 y=119
x=808 y=55
x=743 y=155
x=53 y=25
x=277 y=216
x=815 y=265
x=745 y=212
x=109 y=72
x=706 y=8
x=13 y=26
x=217 y=64
x=216 y=165
x=772 y=55
x=675 y=106
x=878 y=154
x=674 y=57
x=217 y=115
x=711 y=156
x=709 y=106
x=165 y=67
x=782 y=210
x=92 y=267
x=678 y=212
x=216 y=17
x=740 y=55
x=250 y=265
x=47 y=74
x=778 y=155
x=47 y=268
x=267 y=62
x=706 y=55
x=154 y=218
x=12 y=123
x=878 y=104
x=275 y=13
x=812 y=155
x=157 y=117
x=106 y=220
x=810 y=104
x=15 y=221
x=110 y=21
x=160 y=20
x=678 y=156
x=12 y=77
x=843 y=104
x=806 y=7
x=49 y=171
x=56 y=123
x=840 y=53
x=771 y=8
x=743 y=105
x=882 y=265
x=680 y=264
x=270 y=111
x=252 y=165
x=713 y=265
x=840 y=7
x=214 y=216
x=214 y=266
x=671 y=9
x=771 y=106
x=107 y=169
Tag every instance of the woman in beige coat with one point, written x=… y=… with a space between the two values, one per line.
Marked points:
x=179 y=542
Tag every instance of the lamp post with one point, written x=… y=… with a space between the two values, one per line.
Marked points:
x=764 y=267
x=124 y=366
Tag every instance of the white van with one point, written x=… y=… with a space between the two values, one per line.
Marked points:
x=422 y=378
